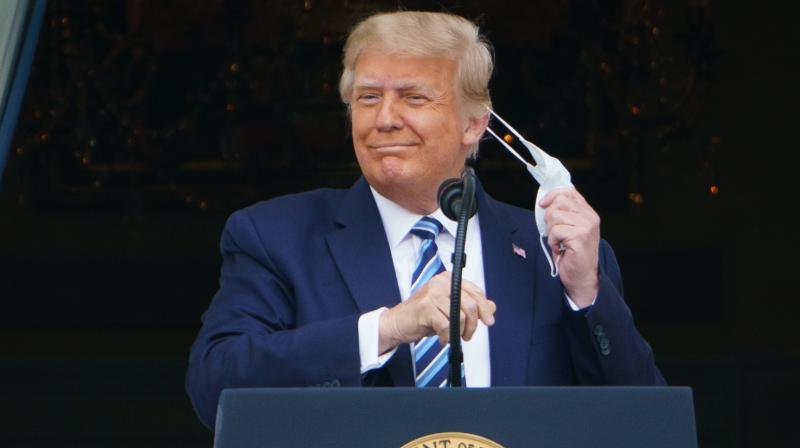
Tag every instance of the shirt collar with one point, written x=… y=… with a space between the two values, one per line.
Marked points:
x=397 y=221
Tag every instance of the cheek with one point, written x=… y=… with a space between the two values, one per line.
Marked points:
x=356 y=131
x=359 y=124
x=446 y=142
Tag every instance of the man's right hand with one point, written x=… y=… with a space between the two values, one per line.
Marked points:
x=427 y=313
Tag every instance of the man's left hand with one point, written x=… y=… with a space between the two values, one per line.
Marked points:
x=574 y=233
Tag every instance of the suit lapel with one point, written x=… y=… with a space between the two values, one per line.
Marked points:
x=362 y=255
x=509 y=282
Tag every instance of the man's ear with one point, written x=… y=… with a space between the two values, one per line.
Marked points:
x=476 y=126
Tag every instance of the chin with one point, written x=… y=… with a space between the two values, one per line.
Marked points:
x=390 y=179
x=391 y=170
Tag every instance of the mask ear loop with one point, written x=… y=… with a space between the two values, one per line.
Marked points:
x=511 y=150
x=561 y=248
x=519 y=136
x=553 y=266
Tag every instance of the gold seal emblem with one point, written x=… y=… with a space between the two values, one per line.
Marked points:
x=452 y=440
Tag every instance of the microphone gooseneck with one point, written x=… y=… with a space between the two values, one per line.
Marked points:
x=457 y=201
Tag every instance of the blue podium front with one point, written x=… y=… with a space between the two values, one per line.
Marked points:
x=540 y=417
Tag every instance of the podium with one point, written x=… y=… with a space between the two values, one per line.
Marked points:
x=509 y=417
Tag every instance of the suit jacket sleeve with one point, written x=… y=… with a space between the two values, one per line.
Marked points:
x=250 y=336
x=605 y=346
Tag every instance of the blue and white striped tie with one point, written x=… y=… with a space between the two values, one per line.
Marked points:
x=430 y=358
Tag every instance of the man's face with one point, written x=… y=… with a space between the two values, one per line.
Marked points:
x=408 y=132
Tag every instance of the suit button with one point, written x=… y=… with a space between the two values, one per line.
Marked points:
x=605 y=346
x=599 y=330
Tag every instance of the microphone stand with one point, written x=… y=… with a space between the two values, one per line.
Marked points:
x=459 y=259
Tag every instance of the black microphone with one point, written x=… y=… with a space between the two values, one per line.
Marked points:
x=457 y=201
x=451 y=192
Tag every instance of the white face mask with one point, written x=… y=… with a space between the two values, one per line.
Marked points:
x=549 y=172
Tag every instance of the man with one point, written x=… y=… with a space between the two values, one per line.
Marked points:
x=343 y=287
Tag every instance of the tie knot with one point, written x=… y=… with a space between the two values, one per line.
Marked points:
x=427 y=228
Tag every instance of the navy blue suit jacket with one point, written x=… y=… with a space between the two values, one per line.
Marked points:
x=299 y=270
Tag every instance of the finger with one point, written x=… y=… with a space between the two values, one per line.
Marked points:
x=561 y=228
x=486 y=312
x=485 y=307
x=469 y=314
x=549 y=197
x=478 y=304
x=469 y=300
x=472 y=287
x=571 y=201
x=476 y=293
x=441 y=327
x=567 y=202
x=552 y=194
x=560 y=238
x=442 y=303
x=470 y=321
x=444 y=337
x=469 y=303
x=554 y=217
x=575 y=226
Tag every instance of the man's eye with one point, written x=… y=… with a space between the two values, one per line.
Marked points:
x=368 y=98
x=416 y=99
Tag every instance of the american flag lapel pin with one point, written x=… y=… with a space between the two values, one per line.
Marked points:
x=518 y=251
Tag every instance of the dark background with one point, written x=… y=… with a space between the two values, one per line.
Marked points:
x=147 y=123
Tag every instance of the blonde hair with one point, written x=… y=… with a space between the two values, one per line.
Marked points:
x=415 y=33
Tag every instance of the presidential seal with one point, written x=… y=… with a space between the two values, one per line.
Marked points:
x=452 y=440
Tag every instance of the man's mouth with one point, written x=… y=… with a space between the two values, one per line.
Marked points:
x=391 y=146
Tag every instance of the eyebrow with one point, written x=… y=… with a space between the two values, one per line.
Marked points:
x=368 y=83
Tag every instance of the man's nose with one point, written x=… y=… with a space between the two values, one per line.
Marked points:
x=389 y=116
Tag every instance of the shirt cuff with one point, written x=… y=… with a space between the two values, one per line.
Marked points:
x=574 y=306
x=368 y=338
